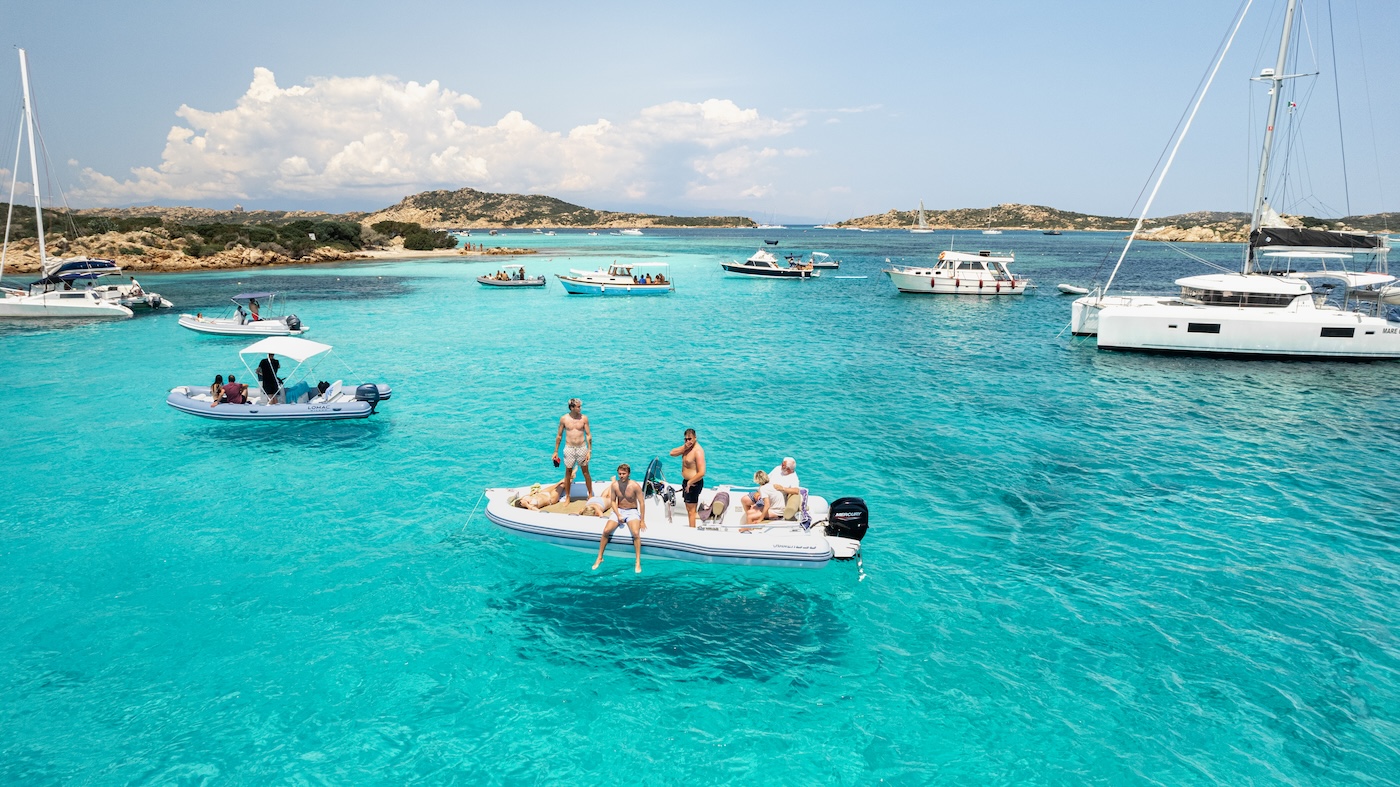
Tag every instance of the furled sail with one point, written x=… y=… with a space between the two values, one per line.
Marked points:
x=1290 y=237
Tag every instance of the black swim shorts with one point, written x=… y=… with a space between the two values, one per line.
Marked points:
x=692 y=492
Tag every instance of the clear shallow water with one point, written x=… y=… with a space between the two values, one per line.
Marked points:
x=1083 y=566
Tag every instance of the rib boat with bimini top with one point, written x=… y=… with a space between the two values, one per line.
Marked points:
x=961 y=273
x=300 y=400
x=818 y=533
x=1269 y=309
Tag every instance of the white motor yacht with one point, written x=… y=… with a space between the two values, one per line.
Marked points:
x=630 y=232
x=763 y=263
x=1268 y=309
x=961 y=273
x=630 y=278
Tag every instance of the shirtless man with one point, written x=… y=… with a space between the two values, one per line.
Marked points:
x=578 y=447
x=624 y=498
x=692 y=472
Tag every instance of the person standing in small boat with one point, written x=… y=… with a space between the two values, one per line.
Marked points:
x=577 y=435
x=626 y=506
x=267 y=373
x=692 y=472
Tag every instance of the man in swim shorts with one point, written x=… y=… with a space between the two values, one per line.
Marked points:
x=577 y=436
x=625 y=504
x=692 y=472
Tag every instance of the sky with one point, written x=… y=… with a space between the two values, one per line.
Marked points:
x=791 y=112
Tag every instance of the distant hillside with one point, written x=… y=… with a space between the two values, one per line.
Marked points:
x=184 y=215
x=1215 y=226
x=1006 y=216
x=472 y=208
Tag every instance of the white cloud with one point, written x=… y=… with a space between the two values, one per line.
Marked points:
x=379 y=136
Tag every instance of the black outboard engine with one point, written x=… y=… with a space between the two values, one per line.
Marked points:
x=848 y=518
x=293 y=322
x=368 y=392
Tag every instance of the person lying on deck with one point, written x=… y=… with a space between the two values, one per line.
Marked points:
x=545 y=496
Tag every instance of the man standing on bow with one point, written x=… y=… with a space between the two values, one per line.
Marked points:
x=577 y=436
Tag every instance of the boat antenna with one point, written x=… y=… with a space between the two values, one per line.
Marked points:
x=33 y=162
x=1275 y=80
x=1142 y=217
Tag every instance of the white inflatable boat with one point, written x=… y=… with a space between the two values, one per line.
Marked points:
x=820 y=533
x=299 y=401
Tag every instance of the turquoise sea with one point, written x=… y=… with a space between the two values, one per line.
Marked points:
x=1083 y=567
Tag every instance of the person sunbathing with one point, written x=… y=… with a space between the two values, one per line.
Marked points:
x=539 y=498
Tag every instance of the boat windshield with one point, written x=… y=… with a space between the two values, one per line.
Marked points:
x=1229 y=298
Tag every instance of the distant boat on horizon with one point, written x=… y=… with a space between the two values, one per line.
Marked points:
x=923 y=228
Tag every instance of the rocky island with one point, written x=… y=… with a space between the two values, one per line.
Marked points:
x=155 y=238
x=1201 y=226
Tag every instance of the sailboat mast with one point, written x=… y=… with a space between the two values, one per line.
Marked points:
x=1275 y=92
x=33 y=161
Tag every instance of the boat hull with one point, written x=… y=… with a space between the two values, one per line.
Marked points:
x=538 y=281
x=195 y=400
x=667 y=535
x=1155 y=324
x=933 y=283
x=219 y=326
x=61 y=305
x=770 y=273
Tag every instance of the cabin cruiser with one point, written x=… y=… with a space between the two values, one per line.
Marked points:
x=298 y=401
x=629 y=232
x=631 y=278
x=249 y=321
x=511 y=276
x=817 y=260
x=961 y=273
x=763 y=263
x=820 y=532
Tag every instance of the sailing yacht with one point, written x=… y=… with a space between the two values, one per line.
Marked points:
x=923 y=228
x=53 y=295
x=1267 y=310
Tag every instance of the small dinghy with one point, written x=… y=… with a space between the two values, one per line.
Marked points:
x=1070 y=289
x=511 y=276
x=821 y=532
x=298 y=401
x=250 y=322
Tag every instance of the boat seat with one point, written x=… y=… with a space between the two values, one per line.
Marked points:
x=572 y=507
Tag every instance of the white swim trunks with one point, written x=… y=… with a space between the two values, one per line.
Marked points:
x=575 y=455
x=625 y=515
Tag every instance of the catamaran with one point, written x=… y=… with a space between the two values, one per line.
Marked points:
x=1267 y=310
x=53 y=295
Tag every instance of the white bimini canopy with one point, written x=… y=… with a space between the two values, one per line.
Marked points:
x=287 y=346
x=1250 y=283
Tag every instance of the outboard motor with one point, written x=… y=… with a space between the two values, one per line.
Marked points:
x=848 y=520
x=294 y=323
x=368 y=392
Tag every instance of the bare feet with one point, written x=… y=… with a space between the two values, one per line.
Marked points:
x=638 y=569
x=597 y=563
